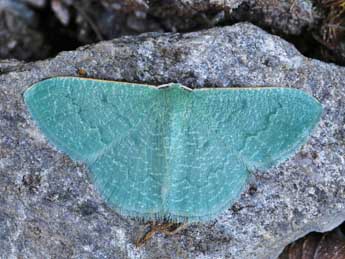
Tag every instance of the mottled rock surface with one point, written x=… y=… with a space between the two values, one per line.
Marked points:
x=284 y=16
x=37 y=29
x=49 y=208
x=19 y=37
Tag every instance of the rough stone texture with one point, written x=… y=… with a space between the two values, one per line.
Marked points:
x=50 y=209
x=288 y=17
x=96 y=20
x=36 y=29
x=18 y=35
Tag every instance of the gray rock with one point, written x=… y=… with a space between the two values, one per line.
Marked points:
x=49 y=208
x=19 y=37
x=284 y=16
x=30 y=36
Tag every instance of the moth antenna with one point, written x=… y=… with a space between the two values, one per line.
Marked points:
x=187 y=88
x=163 y=86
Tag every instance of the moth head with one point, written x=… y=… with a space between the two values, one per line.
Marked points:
x=174 y=86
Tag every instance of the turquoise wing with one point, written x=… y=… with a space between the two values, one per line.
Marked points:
x=262 y=125
x=220 y=135
x=114 y=128
x=171 y=153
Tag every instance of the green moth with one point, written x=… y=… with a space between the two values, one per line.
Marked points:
x=171 y=153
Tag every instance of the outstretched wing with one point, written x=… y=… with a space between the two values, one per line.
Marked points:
x=83 y=117
x=267 y=125
x=171 y=153
x=225 y=133
x=113 y=127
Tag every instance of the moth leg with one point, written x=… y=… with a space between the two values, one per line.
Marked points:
x=168 y=229
x=147 y=235
x=172 y=228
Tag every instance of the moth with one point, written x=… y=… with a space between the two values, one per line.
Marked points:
x=171 y=153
